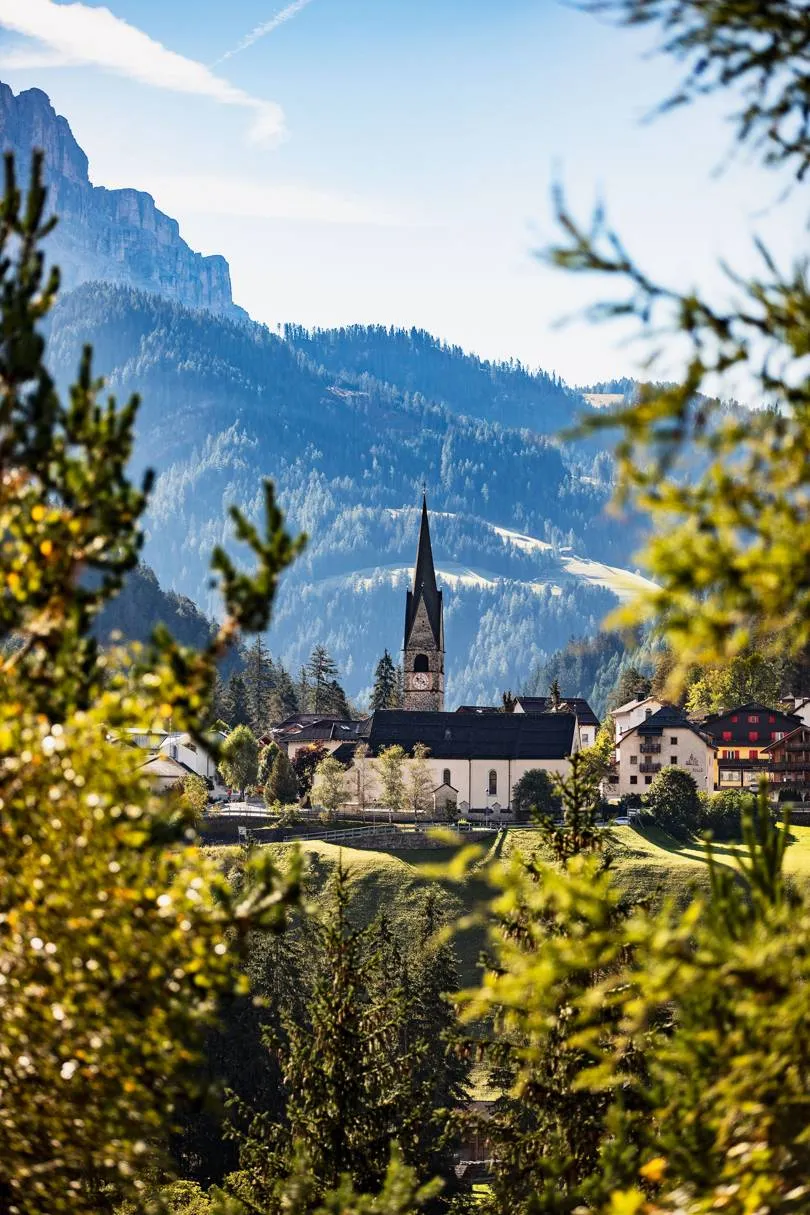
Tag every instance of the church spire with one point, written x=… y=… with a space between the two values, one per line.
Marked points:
x=423 y=652
x=424 y=585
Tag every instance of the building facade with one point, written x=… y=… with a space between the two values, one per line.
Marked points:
x=423 y=650
x=664 y=739
x=743 y=736
x=474 y=760
x=789 y=767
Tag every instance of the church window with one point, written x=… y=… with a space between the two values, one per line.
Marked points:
x=493 y=782
x=420 y=663
x=446 y=776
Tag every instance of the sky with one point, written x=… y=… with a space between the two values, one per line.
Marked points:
x=392 y=161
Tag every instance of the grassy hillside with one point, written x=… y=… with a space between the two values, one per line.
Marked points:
x=647 y=864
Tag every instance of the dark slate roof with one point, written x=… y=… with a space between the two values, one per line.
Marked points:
x=478 y=709
x=542 y=704
x=666 y=718
x=475 y=736
x=424 y=586
x=315 y=727
x=718 y=724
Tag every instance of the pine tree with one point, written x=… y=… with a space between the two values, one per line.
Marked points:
x=259 y=680
x=267 y=757
x=282 y=785
x=237 y=703
x=284 y=700
x=322 y=674
x=385 y=693
x=344 y=1076
x=555 y=695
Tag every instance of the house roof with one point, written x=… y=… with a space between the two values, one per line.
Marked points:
x=478 y=709
x=635 y=704
x=667 y=718
x=312 y=727
x=424 y=586
x=777 y=742
x=718 y=724
x=543 y=704
x=164 y=765
x=474 y=736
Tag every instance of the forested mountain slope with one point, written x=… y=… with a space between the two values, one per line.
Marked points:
x=417 y=362
x=225 y=403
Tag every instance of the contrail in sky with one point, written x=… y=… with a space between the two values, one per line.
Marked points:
x=267 y=27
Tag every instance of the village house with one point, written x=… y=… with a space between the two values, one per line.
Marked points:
x=789 y=767
x=743 y=736
x=172 y=755
x=662 y=739
x=633 y=713
x=305 y=729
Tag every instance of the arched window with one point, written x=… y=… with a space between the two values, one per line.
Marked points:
x=493 y=782
x=446 y=776
x=420 y=663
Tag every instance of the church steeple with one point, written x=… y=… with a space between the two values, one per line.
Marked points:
x=423 y=664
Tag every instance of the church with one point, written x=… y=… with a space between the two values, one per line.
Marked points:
x=477 y=754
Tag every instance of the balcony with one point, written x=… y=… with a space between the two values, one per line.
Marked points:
x=650 y=748
x=649 y=767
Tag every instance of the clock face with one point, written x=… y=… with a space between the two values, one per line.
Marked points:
x=421 y=681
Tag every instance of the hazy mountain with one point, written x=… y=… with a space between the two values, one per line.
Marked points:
x=116 y=235
x=519 y=538
x=349 y=424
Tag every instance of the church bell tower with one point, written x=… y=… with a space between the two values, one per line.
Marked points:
x=423 y=655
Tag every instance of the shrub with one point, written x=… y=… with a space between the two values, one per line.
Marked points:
x=673 y=803
x=534 y=793
x=721 y=813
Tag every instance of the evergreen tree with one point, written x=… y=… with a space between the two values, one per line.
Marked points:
x=282 y=785
x=385 y=693
x=633 y=685
x=236 y=702
x=334 y=702
x=119 y=939
x=345 y=1076
x=267 y=756
x=322 y=675
x=259 y=679
x=284 y=700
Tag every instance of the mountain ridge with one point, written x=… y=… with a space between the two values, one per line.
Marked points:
x=111 y=235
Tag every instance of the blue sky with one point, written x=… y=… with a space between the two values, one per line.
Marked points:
x=392 y=161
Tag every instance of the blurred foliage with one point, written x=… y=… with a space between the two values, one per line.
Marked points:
x=731 y=549
x=116 y=935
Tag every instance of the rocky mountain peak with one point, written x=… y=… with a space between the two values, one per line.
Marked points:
x=116 y=236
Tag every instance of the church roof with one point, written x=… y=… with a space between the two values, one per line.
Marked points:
x=475 y=736
x=543 y=704
x=424 y=585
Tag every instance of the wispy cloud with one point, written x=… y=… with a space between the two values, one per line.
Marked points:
x=267 y=27
x=207 y=194
x=77 y=35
